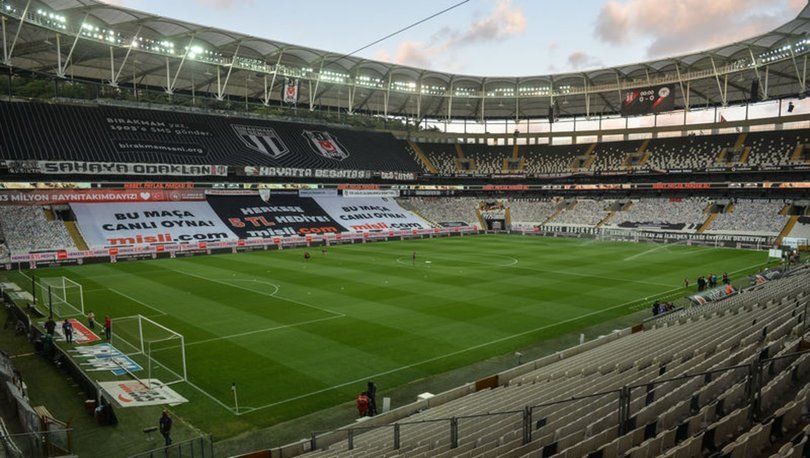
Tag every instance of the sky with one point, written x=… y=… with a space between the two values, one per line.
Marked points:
x=492 y=37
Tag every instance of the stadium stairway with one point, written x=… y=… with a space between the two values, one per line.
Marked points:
x=554 y=215
x=686 y=379
x=73 y=230
x=423 y=158
x=480 y=217
x=789 y=225
x=797 y=153
x=707 y=224
x=406 y=204
x=605 y=219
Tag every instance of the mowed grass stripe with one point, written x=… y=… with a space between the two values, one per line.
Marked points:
x=403 y=321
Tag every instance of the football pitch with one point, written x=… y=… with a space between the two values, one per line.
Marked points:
x=299 y=336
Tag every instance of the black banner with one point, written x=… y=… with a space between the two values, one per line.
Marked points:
x=648 y=100
x=279 y=215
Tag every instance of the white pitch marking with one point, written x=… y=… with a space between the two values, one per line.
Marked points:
x=436 y=358
x=259 y=331
x=512 y=262
x=638 y=255
x=161 y=312
x=259 y=292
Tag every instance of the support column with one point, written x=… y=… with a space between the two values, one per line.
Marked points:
x=170 y=87
x=10 y=53
x=450 y=103
x=221 y=91
x=5 y=47
x=723 y=88
x=267 y=91
x=60 y=71
x=317 y=83
x=117 y=75
x=387 y=95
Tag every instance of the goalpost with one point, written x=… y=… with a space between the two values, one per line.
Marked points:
x=160 y=351
x=64 y=295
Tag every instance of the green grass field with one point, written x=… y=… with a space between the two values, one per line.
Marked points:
x=297 y=336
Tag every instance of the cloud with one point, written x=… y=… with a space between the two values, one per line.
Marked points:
x=503 y=22
x=415 y=54
x=579 y=60
x=500 y=24
x=689 y=25
x=613 y=22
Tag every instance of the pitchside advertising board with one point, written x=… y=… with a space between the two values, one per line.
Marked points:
x=273 y=215
x=114 y=225
x=647 y=100
x=359 y=214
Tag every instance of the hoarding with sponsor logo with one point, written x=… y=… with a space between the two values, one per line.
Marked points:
x=139 y=393
x=115 y=168
x=61 y=196
x=272 y=215
x=115 y=225
x=361 y=214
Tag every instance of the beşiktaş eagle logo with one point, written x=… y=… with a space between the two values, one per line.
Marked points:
x=325 y=144
x=264 y=140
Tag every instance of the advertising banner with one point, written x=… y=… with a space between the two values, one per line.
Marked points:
x=61 y=196
x=370 y=214
x=648 y=100
x=115 y=168
x=370 y=193
x=114 y=225
x=103 y=357
x=273 y=215
x=81 y=334
x=296 y=172
x=318 y=192
x=139 y=393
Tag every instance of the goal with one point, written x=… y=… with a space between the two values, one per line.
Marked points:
x=160 y=351
x=61 y=294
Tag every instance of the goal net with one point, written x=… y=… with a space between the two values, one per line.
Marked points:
x=63 y=295
x=158 y=350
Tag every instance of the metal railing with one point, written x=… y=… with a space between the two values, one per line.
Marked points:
x=200 y=447
x=533 y=418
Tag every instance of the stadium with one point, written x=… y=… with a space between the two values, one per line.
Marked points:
x=297 y=252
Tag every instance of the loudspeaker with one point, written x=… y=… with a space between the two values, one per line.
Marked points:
x=551 y=114
x=755 y=91
x=790 y=107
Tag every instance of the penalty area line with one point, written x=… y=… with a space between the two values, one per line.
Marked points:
x=273 y=294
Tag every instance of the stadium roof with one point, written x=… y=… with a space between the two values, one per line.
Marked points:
x=116 y=45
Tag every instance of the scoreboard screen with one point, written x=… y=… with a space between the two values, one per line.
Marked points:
x=647 y=100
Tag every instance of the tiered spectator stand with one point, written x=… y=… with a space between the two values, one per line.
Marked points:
x=725 y=376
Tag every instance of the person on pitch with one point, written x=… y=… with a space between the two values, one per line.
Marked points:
x=67 y=329
x=108 y=327
x=165 y=424
x=362 y=404
x=371 y=393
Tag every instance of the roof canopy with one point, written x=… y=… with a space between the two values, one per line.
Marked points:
x=92 y=40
